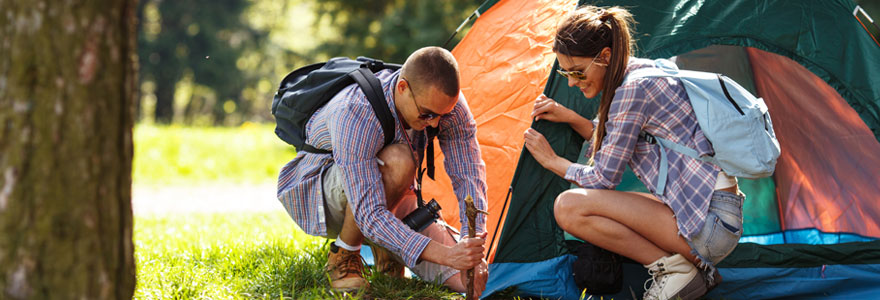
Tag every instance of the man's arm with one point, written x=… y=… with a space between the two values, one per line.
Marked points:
x=357 y=137
x=464 y=255
x=463 y=161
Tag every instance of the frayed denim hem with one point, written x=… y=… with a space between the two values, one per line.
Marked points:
x=704 y=264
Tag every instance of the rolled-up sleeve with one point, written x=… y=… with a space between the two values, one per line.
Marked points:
x=463 y=161
x=626 y=117
x=357 y=137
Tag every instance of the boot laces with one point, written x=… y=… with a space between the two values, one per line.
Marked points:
x=350 y=262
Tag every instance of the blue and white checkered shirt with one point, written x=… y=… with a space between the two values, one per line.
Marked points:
x=660 y=107
x=348 y=126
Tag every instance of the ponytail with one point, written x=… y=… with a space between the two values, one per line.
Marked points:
x=586 y=32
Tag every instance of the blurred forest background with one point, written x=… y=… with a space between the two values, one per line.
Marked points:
x=218 y=63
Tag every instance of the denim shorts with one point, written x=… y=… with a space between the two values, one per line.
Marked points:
x=722 y=229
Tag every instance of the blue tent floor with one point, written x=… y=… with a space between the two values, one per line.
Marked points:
x=550 y=279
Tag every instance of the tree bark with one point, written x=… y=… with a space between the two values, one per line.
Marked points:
x=67 y=84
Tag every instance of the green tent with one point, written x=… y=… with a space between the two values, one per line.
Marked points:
x=811 y=229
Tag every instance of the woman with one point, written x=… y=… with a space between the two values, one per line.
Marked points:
x=696 y=221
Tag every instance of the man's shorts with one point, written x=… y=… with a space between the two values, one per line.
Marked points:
x=723 y=228
x=335 y=201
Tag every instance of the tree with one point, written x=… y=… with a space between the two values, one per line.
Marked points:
x=203 y=38
x=392 y=29
x=67 y=85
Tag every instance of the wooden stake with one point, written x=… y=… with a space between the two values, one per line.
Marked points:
x=471 y=212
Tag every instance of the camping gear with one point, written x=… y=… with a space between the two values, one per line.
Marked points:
x=810 y=230
x=732 y=119
x=305 y=90
x=597 y=270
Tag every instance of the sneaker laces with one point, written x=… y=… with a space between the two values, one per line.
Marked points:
x=655 y=282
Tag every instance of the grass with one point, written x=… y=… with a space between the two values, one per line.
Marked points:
x=234 y=255
x=246 y=256
x=178 y=155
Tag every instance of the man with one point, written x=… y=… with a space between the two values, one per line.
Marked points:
x=364 y=188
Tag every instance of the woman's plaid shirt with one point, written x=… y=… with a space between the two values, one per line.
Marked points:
x=348 y=127
x=660 y=107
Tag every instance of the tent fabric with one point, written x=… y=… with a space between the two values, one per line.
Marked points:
x=825 y=282
x=820 y=185
x=808 y=236
x=789 y=28
x=504 y=62
x=816 y=68
x=549 y=279
x=750 y=255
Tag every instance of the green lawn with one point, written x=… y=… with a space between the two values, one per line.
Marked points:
x=179 y=155
x=245 y=256
x=232 y=255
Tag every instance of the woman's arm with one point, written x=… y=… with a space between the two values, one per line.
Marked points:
x=548 y=109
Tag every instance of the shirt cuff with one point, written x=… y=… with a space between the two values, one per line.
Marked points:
x=572 y=172
x=415 y=245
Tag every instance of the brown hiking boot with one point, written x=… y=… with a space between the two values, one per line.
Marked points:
x=346 y=269
x=386 y=263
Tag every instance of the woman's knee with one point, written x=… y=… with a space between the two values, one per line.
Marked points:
x=569 y=206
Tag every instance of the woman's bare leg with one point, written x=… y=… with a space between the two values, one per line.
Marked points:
x=635 y=225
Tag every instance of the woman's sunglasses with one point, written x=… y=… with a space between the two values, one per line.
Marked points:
x=572 y=74
x=578 y=75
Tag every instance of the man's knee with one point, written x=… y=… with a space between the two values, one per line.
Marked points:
x=399 y=169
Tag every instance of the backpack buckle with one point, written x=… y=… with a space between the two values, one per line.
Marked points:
x=372 y=64
x=648 y=137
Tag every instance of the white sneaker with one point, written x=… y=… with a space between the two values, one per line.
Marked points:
x=674 y=277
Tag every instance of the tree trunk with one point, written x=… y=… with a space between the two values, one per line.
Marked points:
x=67 y=84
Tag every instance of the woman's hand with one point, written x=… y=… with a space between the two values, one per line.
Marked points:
x=543 y=153
x=539 y=147
x=548 y=109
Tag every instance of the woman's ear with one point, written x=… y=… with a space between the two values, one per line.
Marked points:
x=606 y=55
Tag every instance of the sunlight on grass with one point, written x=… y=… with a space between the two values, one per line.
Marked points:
x=224 y=256
x=246 y=256
x=250 y=153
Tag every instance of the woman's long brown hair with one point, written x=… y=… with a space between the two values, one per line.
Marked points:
x=585 y=32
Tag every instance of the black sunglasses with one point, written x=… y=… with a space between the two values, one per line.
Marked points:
x=422 y=116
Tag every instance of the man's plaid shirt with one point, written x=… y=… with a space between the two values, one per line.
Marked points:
x=348 y=126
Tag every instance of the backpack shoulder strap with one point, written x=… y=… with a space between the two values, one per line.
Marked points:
x=373 y=90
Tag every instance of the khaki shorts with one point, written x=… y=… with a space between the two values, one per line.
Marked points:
x=335 y=201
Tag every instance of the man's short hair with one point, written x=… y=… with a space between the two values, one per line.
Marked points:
x=432 y=66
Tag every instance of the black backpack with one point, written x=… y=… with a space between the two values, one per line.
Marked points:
x=305 y=90
x=597 y=270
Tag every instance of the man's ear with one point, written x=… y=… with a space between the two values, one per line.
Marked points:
x=401 y=85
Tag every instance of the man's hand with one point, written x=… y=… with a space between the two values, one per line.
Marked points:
x=467 y=253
